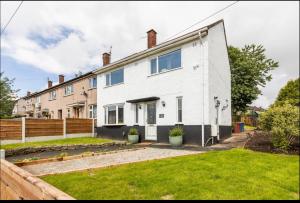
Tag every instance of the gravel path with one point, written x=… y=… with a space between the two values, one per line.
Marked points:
x=104 y=160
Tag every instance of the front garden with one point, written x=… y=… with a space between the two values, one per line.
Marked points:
x=232 y=174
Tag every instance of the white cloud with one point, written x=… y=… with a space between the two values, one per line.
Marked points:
x=122 y=25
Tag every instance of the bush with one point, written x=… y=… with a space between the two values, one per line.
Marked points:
x=177 y=131
x=282 y=122
x=133 y=131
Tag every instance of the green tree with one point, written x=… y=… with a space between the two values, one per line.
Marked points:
x=289 y=93
x=7 y=96
x=250 y=69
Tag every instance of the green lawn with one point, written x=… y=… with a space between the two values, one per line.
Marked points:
x=80 y=140
x=232 y=174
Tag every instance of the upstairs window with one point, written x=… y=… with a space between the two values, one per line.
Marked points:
x=166 y=62
x=68 y=90
x=52 y=95
x=115 y=77
x=93 y=82
x=38 y=99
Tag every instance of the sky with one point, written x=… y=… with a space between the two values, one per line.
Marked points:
x=45 y=39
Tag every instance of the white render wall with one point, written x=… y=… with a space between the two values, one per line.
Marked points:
x=219 y=75
x=185 y=82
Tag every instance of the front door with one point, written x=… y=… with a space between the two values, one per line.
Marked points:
x=151 y=129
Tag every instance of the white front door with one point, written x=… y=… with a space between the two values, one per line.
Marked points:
x=151 y=129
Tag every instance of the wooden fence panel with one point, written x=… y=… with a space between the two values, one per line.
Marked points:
x=19 y=184
x=10 y=129
x=43 y=127
x=79 y=125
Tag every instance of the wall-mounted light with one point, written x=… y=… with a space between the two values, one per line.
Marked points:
x=163 y=103
x=140 y=106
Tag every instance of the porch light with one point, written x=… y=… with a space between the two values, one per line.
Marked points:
x=163 y=103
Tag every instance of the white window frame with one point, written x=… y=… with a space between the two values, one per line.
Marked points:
x=67 y=88
x=177 y=110
x=91 y=82
x=136 y=114
x=91 y=110
x=109 y=75
x=165 y=53
x=52 y=95
x=117 y=114
x=38 y=99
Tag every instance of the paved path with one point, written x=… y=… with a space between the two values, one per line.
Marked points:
x=122 y=157
x=147 y=152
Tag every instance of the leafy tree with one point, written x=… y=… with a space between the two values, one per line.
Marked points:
x=7 y=96
x=289 y=93
x=250 y=69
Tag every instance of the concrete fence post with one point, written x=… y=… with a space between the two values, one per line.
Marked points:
x=93 y=127
x=65 y=127
x=2 y=154
x=23 y=129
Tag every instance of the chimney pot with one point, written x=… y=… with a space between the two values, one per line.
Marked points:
x=151 y=38
x=61 y=79
x=49 y=83
x=106 y=58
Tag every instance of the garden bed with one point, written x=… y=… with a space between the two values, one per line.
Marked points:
x=261 y=141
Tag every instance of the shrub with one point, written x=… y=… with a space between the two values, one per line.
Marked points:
x=177 y=131
x=282 y=122
x=133 y=131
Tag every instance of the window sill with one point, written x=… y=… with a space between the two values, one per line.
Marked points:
x=166 y=71
x=114 y=85
x=51 y=99
x=68 y=95
x=114 y=124
x=92 y=88
x=179 y=123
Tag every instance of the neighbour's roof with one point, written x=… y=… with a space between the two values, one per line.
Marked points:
x=58 y=85
x=155 y=49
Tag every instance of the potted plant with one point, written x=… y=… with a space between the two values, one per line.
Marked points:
x=175 y=136
x=133 y=136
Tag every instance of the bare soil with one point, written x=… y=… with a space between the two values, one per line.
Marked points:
x=261 y=141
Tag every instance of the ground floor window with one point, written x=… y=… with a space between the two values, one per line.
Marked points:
x=114 y=114
x=179 y=109
x=93 y=111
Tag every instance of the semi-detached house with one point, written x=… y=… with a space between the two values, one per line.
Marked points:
x=184 y=81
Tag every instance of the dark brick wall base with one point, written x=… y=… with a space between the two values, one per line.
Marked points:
x=192 y=133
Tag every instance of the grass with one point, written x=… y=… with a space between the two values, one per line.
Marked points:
x=232 y=174
x=249 y=128
x=80 y=140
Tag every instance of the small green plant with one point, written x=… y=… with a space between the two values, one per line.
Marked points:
x=175 y=132
x=30 y=159
x=133 y=131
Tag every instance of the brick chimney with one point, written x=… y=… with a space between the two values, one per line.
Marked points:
x=28 y=93
x=151 y=38
x=106 y=58
x=61 y=79
x=49 y=83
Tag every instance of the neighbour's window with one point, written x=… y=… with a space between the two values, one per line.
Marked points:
x=52 y=95
x=93 y=82
x=68 y=90
x=166 y=62
x=93 y=111
x=179 y=109
x=38 y=99
x=115 y=77
x=114 y=114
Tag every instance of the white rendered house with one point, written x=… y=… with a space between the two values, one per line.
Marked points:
x=184 y=81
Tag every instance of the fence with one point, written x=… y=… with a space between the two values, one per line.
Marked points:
x=29 y=129
x=17 y=184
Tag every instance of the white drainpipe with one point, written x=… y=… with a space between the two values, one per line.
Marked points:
x=202 y=66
